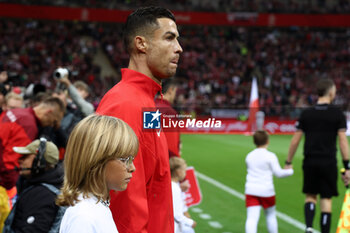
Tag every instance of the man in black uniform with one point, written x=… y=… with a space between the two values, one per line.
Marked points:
x=321 y=125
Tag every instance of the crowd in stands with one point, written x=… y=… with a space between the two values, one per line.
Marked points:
x=219 y=63
x=263 y=6
x=32 y=50
x=215 y=69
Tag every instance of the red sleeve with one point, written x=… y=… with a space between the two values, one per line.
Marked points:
x=173 y=139
x=11 y=134
x=130 y=207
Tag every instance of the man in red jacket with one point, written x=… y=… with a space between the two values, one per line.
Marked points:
x=150 y=36
x=18 y=128
x=169 y=88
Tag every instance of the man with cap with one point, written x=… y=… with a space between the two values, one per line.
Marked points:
x=35 y=209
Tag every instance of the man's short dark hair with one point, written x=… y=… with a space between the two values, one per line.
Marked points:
x=167 y=83
x=323 y=86
x=142 y=22
x=260 y=137
x=53 y=101
x=38 y=98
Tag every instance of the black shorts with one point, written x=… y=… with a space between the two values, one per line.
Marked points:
x=321 y=179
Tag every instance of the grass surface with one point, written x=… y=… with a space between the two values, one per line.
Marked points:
x=222 y=157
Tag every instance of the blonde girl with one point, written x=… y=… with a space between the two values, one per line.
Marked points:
x=99 y=158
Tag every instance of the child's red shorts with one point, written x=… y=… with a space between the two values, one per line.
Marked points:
x=265 y=202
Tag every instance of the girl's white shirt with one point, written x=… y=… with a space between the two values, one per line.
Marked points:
x=88 y=216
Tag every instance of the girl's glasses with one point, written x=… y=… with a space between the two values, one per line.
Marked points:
x=127 y=161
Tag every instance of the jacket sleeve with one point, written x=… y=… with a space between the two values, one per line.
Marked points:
x=130 y=207
x=277 y=170
x=85 y=107
x=11 y=134
x=173 y=139
x=35 y=211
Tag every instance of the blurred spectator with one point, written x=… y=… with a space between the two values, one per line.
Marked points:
x=71 y=117
x=18 y=128
x=12 y=101
x=35 y=209
x=164 y=103
x=76 y=108
x=78 y=93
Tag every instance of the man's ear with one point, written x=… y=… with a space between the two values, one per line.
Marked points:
x=140 y=43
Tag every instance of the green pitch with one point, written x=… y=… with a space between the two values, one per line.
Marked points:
x=222 y=158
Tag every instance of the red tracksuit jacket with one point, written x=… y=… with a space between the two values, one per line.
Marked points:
x=146 y=205
x=18 y=127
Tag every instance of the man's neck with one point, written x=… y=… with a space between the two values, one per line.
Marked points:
x=139 y=67
x=166 y=97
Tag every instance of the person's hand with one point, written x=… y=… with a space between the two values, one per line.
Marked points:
x=290 y=166
x=194 y=224
x=185 y=185
x=346 y=177
x=187 y=214
x=64 y=80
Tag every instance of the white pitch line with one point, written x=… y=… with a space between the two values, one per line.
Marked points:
x=241 y=196
x=205 y=216
x=196 y=210
x=215 y=224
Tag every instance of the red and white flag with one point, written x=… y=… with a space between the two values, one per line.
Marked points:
x=253 y=106
x=194 y=194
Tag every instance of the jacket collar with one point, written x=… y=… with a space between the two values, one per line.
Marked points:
x=31 y=110
x=149 y=86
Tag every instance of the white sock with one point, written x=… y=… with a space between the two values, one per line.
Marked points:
x=253 y=214
x=271 y=219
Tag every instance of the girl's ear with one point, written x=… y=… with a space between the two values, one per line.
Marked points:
x=176 y=172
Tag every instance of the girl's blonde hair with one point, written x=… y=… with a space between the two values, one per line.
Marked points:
x=175 y=163
x=93 y=142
